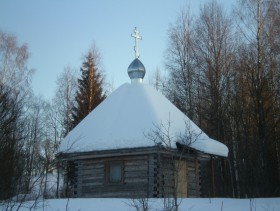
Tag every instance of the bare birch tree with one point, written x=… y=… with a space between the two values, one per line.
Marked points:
x=180 y=63
x=258 y=71
x=64 y=100
x=13 y=63
x=214 y=50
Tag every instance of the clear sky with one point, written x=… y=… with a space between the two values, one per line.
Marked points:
x=59 y=32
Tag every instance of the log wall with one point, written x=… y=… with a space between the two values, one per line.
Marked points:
x=194 y=178
x=150 y=175
x=137 y=173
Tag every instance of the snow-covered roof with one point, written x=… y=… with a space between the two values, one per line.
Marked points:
x=129 y=117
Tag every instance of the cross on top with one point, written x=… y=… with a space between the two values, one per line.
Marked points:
x=136 y=37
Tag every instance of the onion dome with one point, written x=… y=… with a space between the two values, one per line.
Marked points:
x=136 y=71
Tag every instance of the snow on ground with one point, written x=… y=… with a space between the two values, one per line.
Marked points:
x=108 y=204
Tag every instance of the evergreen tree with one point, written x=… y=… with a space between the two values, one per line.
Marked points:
x=90 y=88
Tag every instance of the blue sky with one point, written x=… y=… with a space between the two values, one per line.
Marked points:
x=59 y=32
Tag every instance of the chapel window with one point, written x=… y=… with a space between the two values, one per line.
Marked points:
x=115 y=172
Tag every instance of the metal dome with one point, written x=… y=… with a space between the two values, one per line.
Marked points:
x=136 y=71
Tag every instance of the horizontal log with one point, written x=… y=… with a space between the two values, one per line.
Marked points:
x=92 y=167
x=138 y=162
x=135 y=168
x=192 y=186
x=94 y=183
x=136 y=180
x=115 y=188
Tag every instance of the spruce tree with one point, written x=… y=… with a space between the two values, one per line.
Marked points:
x=90 y=88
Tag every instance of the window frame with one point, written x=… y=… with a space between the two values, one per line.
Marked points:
x=109 y=164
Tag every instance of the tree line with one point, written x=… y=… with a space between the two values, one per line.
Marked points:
x=31 y=128
x=224 y=74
